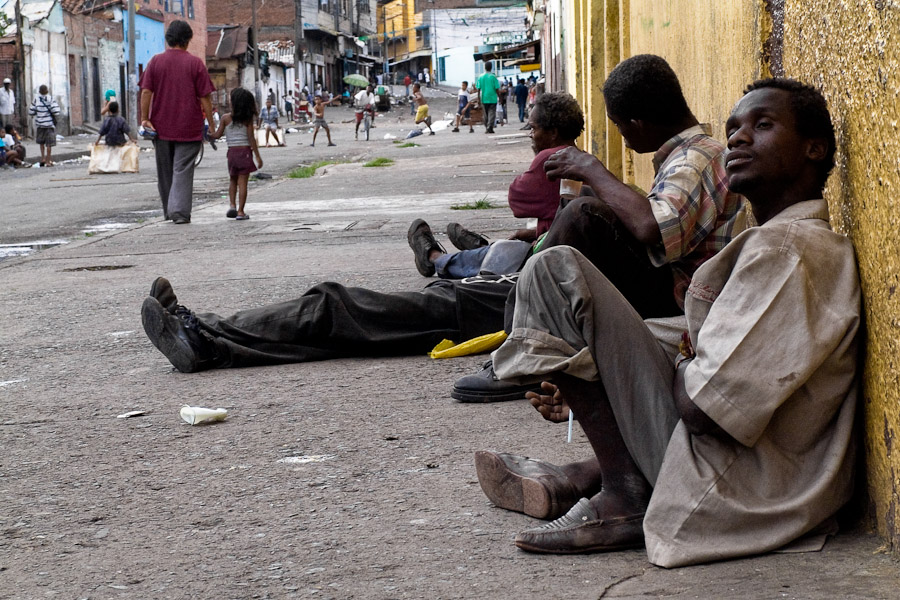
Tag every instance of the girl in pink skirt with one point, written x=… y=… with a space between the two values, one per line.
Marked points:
x=237 y=126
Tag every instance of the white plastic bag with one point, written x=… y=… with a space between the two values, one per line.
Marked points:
x=114 y=159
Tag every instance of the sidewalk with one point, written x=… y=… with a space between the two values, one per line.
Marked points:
x=340 y=479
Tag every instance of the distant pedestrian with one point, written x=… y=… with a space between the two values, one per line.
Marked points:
x=462 y=108
x=487 y=86
x=268 y=119
x=15 y=151
x=114 y=127
x=427 y=78
x=502 y=95
x=521 y=93
x=237 y=126
x=319 y=110
x=108 y=96
x=176 y=96
x=407 y=81
x=272 y=98
x=44 y=109
x=421 y=77
x=422 y=110
x=288 y=106
x=7 y=102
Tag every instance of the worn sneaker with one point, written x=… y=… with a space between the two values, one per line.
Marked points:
x=178 y=337
x=422 y=242
x=484 y=387
x=464 y=239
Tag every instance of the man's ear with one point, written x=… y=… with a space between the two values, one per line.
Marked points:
x=816 y=149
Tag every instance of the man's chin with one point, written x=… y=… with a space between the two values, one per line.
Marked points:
x=740 y=185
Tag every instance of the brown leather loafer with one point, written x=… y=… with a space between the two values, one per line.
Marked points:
x=581 y=530
x=527 y=485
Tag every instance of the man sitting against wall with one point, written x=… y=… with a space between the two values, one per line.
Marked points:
x=741 y=441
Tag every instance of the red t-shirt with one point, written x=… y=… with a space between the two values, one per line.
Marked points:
x=532 y=195
x=178 y=80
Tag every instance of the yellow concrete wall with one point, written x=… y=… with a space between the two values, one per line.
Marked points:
x=853 y=55
x=851 y=51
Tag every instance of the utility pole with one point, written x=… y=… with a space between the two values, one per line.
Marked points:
x=132 y=71
x=255 y=55
x=19 y=68
x=384 y=69
x=299 y=67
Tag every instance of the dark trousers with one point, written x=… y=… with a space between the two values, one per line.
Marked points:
x=175 y=176
x=490 y=115
x=521 y=112
x=334 y=321
x=592 y=228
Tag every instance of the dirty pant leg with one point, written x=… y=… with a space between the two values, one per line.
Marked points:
x=570 y=318
x=457 y=265
x=591 y=227
x=332 y=321
x=490 y=115
x=175 y=176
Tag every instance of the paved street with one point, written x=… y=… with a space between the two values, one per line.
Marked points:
x=341 y=479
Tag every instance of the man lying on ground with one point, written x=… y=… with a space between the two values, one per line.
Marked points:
x=555 y=121
x=742 y=444
x=333 y=321
x=647 y=246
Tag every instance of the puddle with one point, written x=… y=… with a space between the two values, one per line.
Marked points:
x=26 y=248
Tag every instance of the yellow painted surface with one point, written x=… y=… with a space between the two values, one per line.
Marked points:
x=851 y=51
x=853 y=55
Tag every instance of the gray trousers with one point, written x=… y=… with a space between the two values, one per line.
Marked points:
x=175 y=176
x=569 y=318
x=490 y=115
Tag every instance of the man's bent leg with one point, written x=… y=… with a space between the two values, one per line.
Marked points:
x=182 y=189
x=591 y=227
x=457 y=265
x=570 y=319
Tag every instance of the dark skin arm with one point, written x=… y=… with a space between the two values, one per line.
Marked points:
x=632 y=209
x=696 y=421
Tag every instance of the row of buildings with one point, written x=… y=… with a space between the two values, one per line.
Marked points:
x=80 y=48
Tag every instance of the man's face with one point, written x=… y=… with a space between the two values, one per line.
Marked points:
x=268 y=104
x=465 y=86
x=632 y=133
x=764 y=146
x=541 y=138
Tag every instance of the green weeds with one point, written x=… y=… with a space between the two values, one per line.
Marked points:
x=379 y=162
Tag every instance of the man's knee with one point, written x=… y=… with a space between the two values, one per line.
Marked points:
x=581 y=217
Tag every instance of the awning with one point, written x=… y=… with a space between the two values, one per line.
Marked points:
x=231 y=42
x=510 y=50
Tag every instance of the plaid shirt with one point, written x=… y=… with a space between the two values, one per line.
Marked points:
x=697 y=215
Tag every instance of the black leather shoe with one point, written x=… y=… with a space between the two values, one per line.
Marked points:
x=162 y=290
x=464 y=239
x=422 y=242
x=178 y=337
x=485 y=387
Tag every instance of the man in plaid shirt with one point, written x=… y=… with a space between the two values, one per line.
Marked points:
x=649 y=246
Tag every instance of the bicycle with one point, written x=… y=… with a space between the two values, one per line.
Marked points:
x=368 y=115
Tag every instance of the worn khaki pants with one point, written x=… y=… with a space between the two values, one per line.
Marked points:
x=569 y=318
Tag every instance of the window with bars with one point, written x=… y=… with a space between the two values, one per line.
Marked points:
x=362 y=7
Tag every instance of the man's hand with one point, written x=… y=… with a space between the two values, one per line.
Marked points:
x=572 y=163
x=550 y=404
x=524 y=235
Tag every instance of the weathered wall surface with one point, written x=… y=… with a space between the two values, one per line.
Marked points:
x=853 y=56
x=851 y=51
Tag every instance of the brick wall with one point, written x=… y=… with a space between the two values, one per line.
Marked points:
x=274 y=18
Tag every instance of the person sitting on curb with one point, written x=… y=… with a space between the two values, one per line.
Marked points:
x=556 y=122
x=647 y=246
x=741 y=442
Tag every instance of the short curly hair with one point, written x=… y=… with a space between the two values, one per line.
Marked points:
x=644 y=87
x=810 y=113
x=560 y=111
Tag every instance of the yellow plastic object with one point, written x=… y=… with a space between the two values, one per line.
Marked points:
x=484 y=343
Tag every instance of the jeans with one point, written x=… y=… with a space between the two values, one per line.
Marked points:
x=521 y=112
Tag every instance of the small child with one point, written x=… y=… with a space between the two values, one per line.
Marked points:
x=12 y=144
x=422 y=110
x=114 y=128
x=319 y=109
x=240 y=137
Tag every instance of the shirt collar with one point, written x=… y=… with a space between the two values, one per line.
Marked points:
x=660 y=156
x=807 y=209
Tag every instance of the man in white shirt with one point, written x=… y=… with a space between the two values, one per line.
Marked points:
x=7 y=102
x=363 y=100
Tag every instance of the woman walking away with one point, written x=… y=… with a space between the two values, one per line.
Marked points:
x=241 y=139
